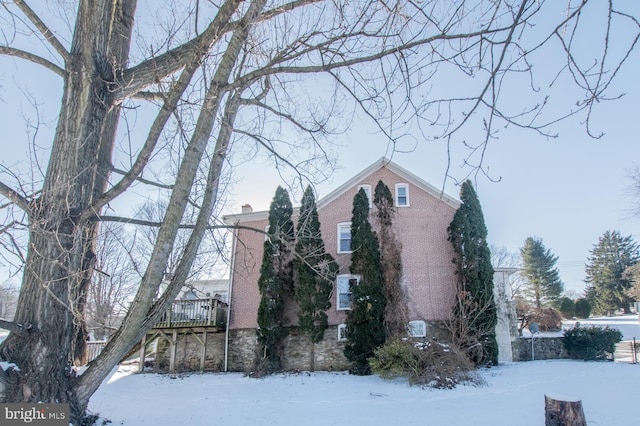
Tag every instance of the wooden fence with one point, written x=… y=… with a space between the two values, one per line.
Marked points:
x=94 y=348
x=627 y=351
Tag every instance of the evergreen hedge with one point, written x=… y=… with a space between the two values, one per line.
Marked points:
x=591 y=343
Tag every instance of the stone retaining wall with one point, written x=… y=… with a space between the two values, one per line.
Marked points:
x=544 y=348
x=244 y=350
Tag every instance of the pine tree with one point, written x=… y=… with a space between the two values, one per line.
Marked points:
x=276 y=280
x=542 y=286
x=316 y=272
x=365 y=321
x=396 y=316
x=607 y=285
x=475 y=315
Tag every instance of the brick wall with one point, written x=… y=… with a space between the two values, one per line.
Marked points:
x=428 y=273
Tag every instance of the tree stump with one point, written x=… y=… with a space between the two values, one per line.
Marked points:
x=563 y=413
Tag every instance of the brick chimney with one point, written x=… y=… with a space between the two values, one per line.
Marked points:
x=247 y=208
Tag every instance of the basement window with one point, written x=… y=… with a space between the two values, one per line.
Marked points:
x=417 y=328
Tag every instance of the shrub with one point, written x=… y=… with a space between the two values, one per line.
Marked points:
x=567 y=307
x=591 y=343
x=431 y=364
x=583 y=308
x=548 y=319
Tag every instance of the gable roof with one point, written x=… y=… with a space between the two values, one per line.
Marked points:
x=403 y=173
x=381 y=163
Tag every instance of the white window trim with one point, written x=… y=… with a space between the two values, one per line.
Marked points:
x=341 y=224
x=418 y=323
x=367 y=190
x=342 y=332
x=348 y=277
x=406 y=187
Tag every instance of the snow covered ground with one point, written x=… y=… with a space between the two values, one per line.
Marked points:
x=512 y=395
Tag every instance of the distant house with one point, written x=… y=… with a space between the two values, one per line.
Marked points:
x=423 y=214
x=203 y=289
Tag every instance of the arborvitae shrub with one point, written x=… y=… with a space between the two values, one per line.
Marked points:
x=583 y=308
x=430 y=364
x=548 y=319
x=567 y=307
x=591 y=343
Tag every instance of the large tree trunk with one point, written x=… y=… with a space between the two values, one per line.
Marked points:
x=61 y=245
x=63 y=228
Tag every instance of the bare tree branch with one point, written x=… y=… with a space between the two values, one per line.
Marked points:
x=42 y=27
x=14 y=326
x=6 y=50
x=142 y=180
x=15 y=197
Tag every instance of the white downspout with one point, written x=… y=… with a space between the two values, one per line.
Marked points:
x=231 y=274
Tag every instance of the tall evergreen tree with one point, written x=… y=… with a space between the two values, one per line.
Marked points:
x=365 y=321
x=276 y=280
x=607 y=285
x=316 y=272
x=396 y=316
x=542 y=284
x=475 y=314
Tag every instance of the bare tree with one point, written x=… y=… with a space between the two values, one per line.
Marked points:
x=8 y=300
x=203 y=85
x=113 y=283
x=501 y=257
x=633 y=190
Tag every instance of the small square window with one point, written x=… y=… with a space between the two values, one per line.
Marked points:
x=402 y=195
x=344 y=237
x=417 y=329
x=342 y=332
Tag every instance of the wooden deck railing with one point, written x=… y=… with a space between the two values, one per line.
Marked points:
x=208 y=312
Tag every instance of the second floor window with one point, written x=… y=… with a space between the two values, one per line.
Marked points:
x=344 y=237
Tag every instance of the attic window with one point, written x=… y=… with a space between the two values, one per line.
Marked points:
x=367 y=190
x=402 y=195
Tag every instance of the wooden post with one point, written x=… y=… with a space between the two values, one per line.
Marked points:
x=209 y=310
x=204 y=350
x=563 y=413
x=143 y=353
x=172 y=351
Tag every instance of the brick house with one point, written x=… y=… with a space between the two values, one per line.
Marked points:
x=423 y=214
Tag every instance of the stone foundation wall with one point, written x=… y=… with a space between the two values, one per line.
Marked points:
x=543 y=348
x=244 y=350
x=189 y=352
